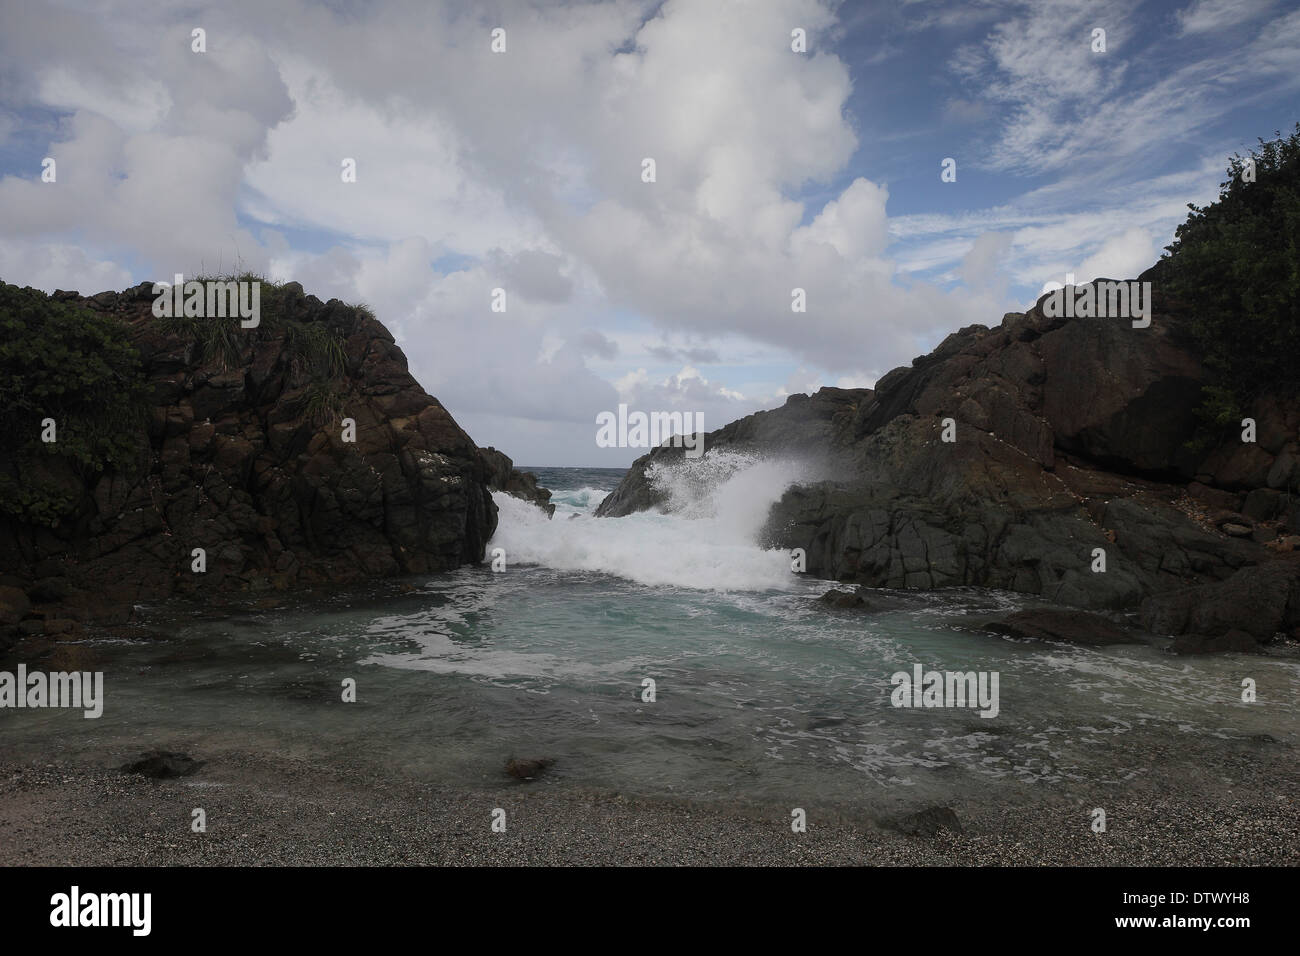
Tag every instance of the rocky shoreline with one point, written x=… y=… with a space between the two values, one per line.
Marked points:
x=297 y=454
x=1050 y=456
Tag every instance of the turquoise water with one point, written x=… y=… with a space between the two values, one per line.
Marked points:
x=761 y=693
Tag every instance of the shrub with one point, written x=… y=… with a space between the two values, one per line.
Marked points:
x=77 y=367
x=1236 y=262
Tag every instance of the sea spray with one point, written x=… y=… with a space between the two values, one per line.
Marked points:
x=704 y=537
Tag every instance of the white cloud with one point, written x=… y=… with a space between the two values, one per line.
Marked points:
x=522 y=170
x=1215 y=16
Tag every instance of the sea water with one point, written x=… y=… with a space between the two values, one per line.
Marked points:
x=760 y=692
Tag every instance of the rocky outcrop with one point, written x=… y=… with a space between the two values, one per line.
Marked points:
x=504 y=476
x=285 y=476
x=1231 y=614
x=1049 y=456
x=808 y=427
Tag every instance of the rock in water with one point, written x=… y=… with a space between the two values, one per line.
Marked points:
x=527 y=769
x=163 y=765
x=1071 y=627
x=504 y=476
x=844 y=600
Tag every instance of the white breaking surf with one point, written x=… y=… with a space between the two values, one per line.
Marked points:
x=704 y=538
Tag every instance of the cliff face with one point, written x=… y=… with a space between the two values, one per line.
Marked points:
x=242 y=453
x=1070 y=436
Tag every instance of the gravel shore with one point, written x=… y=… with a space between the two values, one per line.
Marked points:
x=281 y=811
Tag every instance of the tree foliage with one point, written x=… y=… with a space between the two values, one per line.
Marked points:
x=1236 y=263
x=66 y=363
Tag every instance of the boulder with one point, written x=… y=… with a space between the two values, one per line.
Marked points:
x=1258 y=602
x=927 y=823
x=1070 y=627
x=528 y=769
x=163 y=765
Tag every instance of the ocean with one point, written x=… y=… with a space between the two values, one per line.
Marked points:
x=760 y=693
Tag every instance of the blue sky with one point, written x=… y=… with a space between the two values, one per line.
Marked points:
x=522 y=170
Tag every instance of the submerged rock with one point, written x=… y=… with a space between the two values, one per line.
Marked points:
x=1071 y=627
x=163 y=765
x=844 y=600
x=528 y=769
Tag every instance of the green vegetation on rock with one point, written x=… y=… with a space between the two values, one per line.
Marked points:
x=65 y=363
x=1236 y=265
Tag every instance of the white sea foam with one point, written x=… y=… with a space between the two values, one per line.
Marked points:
x=577 y=500
x=704 y=538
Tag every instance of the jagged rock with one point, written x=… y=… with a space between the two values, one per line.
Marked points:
x=504 y=476
x=1256 y=602
x=1072 y=435
x=805 y=426
x=234 y=460
x=844 y=600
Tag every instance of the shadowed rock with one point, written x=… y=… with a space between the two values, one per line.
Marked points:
x=1071 y=627
x=1072 y=440
x=927 y=823
x=527 y=769
x=504 y=476
x=242 y=452
x=163 y=765
x=1248 y=609
x=844 y=600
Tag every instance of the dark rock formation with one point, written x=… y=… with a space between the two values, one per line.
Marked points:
x=1070 y=627
x=927 y=823
x=1252 y=605
x=528 y=769
x=1071 y=435
x=806 y=427
x=504 y=476
x=163 y=765
x=844 y=600
x=242 y=454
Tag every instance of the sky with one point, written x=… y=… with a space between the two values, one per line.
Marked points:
x=523 y=169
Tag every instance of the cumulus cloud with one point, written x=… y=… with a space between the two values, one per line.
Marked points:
x=982 y=265
x=523 y=170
